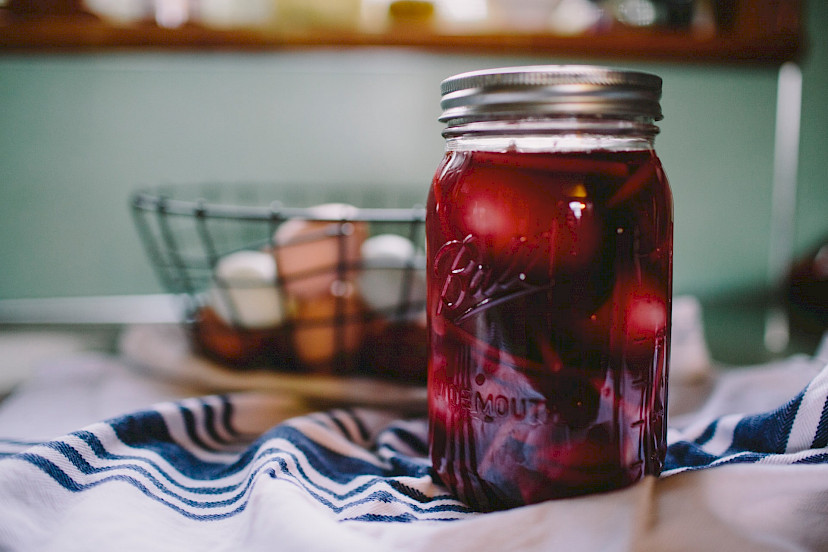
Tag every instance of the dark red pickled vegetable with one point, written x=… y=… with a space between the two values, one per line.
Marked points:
x=549 y=311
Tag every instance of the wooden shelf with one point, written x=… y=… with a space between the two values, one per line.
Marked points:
x=762 y=34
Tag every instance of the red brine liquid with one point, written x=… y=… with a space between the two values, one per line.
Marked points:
x=549 y=306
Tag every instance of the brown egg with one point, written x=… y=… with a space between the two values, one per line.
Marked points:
x=311 y=255
x=328 y=330
x=239 y=347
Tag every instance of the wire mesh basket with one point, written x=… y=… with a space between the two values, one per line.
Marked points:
x=293 y=278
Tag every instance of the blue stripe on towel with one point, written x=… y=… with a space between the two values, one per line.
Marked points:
x=821 y=436
x=227 y=416
x=357 y=465
x=756 y=437
x=141 y=450
x=766 y=432
x=65 y=481
x=13 y=447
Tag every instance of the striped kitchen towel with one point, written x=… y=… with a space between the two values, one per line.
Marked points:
x=204 y=473
x=189 y=457
x=794 y=433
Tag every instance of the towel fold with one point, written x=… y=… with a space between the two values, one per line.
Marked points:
x=257 y=471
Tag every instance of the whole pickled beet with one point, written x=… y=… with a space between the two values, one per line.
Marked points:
x=632 y=321
x=523 y=221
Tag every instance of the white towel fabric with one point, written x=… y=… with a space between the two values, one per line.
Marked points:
x=171 y=468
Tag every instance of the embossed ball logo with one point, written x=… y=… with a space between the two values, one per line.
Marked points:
x=471 y=283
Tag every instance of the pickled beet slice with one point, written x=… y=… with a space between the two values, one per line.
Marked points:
x=571 y=398
x=531 y=464
x=569 y=394
x=644 y=176
x=552 y=163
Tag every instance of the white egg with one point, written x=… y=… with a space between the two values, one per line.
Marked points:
x=392 y=273
x=312 y=254
x=244 y=291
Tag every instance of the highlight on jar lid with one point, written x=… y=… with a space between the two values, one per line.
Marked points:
x=549 y=90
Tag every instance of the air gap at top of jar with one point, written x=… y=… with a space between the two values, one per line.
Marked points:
x=549 y=242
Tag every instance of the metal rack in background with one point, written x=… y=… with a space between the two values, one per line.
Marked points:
x=187 y=229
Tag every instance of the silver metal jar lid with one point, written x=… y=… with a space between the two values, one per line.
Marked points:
x=549 y=90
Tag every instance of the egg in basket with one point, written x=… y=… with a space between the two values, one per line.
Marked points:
x=275 y=278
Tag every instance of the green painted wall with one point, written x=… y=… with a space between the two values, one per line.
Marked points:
x=78 y=133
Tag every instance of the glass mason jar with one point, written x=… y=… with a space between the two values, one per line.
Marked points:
x=549 y=229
